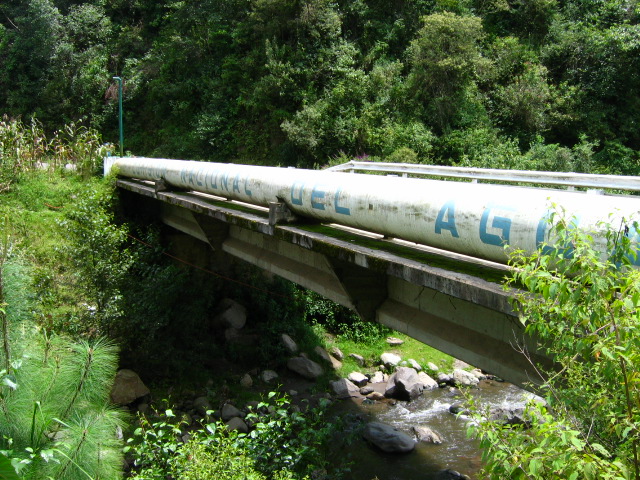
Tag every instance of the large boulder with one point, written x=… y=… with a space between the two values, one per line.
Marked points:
x=229 y=412
x=464 y=379
x=289 y=344
x=127 y=387
x=358 y=378
x=305 y=367
x=324 y=355
x=387 y=438
x=427 y=382
x=237 y=424
x=232 y=314
x=343 y=388
x=404 y=384
x=337 y=353
x=268 y=375
x=390 y=359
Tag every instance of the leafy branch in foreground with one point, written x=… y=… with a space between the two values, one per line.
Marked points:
x=583 y=306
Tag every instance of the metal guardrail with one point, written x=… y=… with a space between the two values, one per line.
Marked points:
x=566 y=179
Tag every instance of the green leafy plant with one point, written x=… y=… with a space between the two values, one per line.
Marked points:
x=283 y=444
x=582 y=302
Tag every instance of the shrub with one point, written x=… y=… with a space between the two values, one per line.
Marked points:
x=582 y=303
x=284 y=444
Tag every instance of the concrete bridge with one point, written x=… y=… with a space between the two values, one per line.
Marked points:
x=450 y=301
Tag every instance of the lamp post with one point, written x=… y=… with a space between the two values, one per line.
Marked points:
x=119 y=80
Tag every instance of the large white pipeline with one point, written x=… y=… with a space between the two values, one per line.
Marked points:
x=468 y=218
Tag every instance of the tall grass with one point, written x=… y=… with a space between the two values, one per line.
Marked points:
x=26 y=146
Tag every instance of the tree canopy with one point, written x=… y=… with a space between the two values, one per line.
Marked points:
x=293 y=82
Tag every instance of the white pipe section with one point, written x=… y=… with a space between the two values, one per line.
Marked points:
x=472 y=219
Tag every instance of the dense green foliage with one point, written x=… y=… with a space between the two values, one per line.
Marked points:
x=532 y=84
x=284 y=444
x=585 y=312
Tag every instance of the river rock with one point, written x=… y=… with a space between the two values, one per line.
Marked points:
x=305 y=367
x=450 y=475
x=238 y=425
x=394 y=342
x=343 y=388
x=358 y=358
x=232 y=314
x=202 y=405
x=512 y=416
x=337 y=353
x=427 y=382
x=289 y=344
x=322 y=353
x=459 y=409
x=229 y=411
x=464 y=378
x=387 y=438
x=415 y=365
x=366 y=390
x=377 y=377
x=375 y=396
x=457 y=363
x=268 y=375
x=404 y=384
x=390 y=360
x=445 y=378
x=476 y=372
x=127 y=387
x=358 y=378
x=246 y=381
x=426 y=435
x=432 y=366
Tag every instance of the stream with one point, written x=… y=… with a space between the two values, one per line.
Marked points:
x=457 y=452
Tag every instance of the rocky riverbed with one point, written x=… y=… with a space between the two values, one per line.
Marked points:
x=410 y=419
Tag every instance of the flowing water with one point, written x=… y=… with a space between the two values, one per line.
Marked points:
x=457 y=452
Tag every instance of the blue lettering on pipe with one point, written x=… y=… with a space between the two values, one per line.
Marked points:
x=339 y=208
x=224 y=182
x=236 y=183
x=246 y=186
x=542 y=233
x=500 y=223
x=446 y=219
x=317 y=197
x=297 y=199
